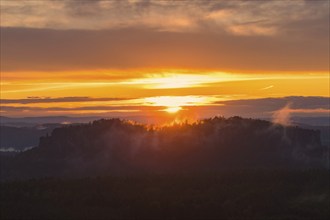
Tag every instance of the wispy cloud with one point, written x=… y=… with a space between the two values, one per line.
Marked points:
x=235 y=17
x=267 y=87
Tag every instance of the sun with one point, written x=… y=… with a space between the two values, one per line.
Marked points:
x=174 y=104
x=173 y=110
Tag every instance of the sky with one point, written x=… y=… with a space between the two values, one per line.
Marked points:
x=164 y=60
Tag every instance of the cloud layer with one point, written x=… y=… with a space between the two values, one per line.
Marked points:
x=75 y=49
x=26 y=49
x=236 y=17
x=226 y=35
x=258 y=108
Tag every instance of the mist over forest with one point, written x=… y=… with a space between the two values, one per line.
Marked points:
x=217 y=168
x=121 y=147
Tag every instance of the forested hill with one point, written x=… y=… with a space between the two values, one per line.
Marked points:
x=114 y=146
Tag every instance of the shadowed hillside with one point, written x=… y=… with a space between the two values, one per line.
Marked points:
x=119 y=147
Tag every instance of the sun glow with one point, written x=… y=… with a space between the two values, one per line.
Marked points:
x=173 y=110
x=180 y=80
x=174 y=104
x=175 y=101
x=145 y=92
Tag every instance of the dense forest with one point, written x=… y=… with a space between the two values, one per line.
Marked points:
x=257 y=195
x=119 y=147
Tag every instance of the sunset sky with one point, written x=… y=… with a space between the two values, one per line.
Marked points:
x=164 y=60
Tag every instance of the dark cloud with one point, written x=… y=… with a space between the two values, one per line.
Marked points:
x=7 y=108
x=318 y=28
x=30 y=100
x=309 y=102
x=266 y=106
x=83 y=8
x=26 y=49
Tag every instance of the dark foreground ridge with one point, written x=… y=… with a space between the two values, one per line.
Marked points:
x=117 y=147
x=239 y=195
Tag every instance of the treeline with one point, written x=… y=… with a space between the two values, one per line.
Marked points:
x=114 y=146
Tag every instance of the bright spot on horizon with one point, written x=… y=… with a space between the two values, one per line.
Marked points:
x=173 y=110
x=173 y=104
x=177 y=101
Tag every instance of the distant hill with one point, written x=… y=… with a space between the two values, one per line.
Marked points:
x=21 y=138
x=119 y=147
x=34 y=121
x=313 y=121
